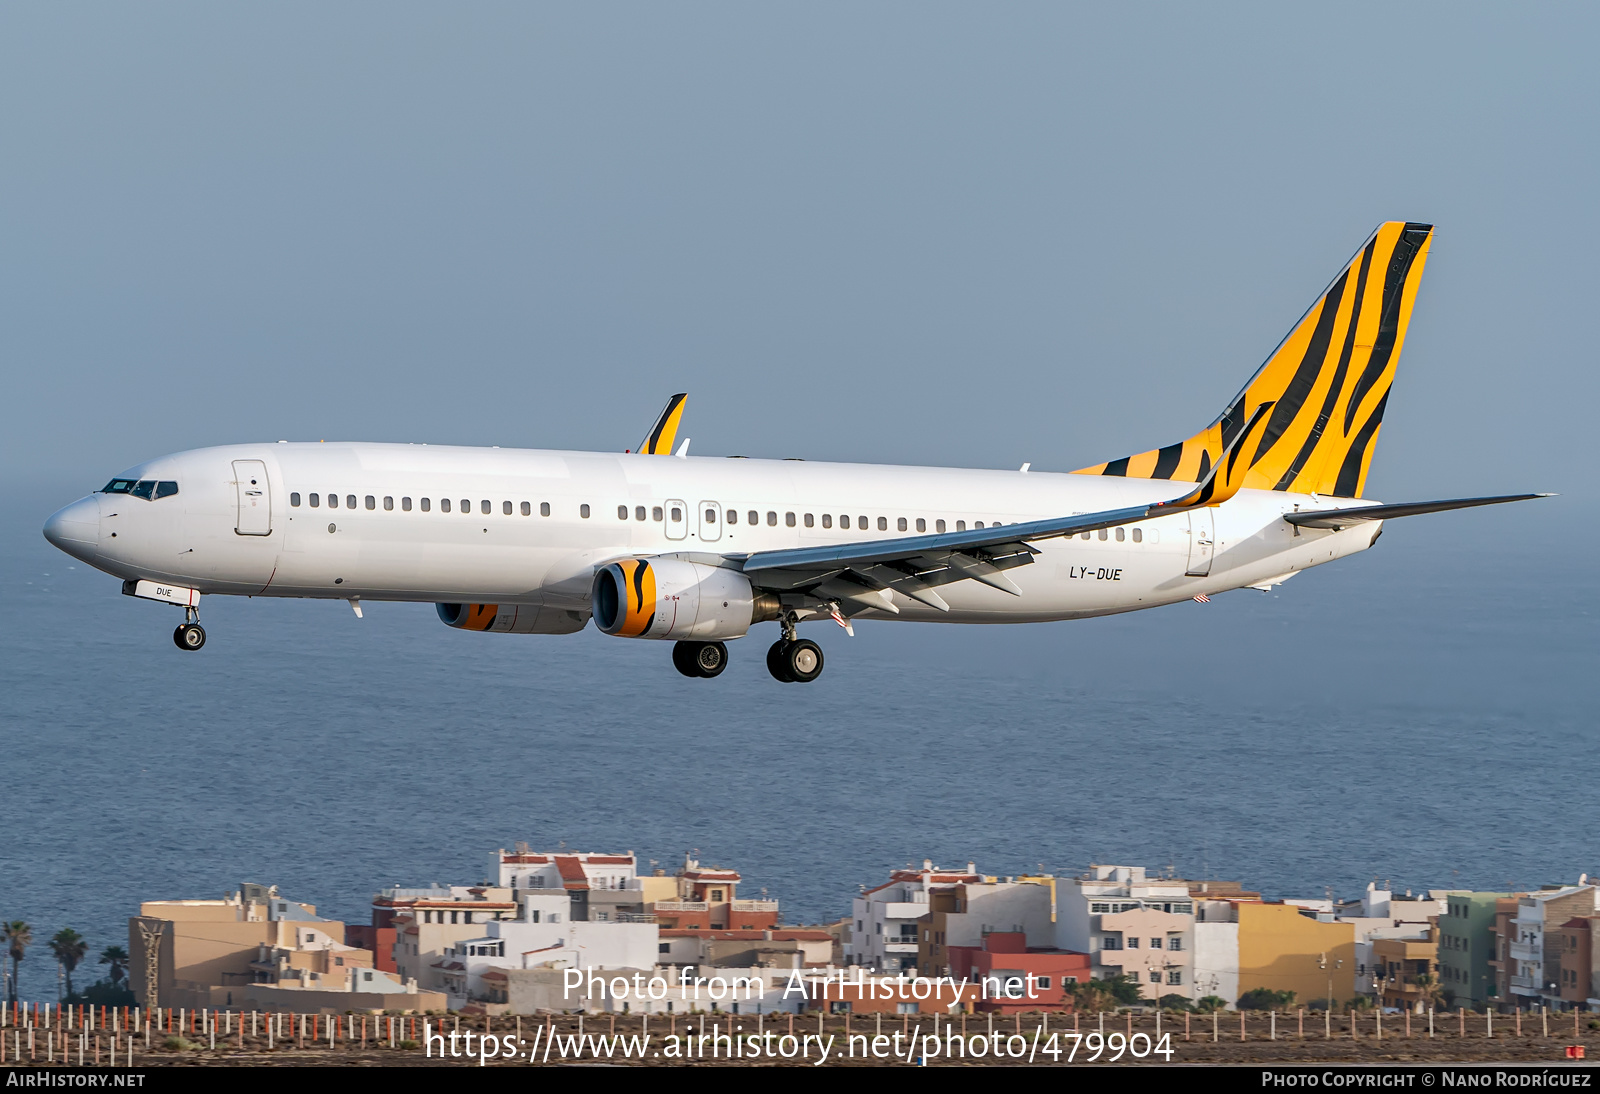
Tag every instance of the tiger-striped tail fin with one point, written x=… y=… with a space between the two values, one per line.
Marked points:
x=1328 y=379
x=658 y=440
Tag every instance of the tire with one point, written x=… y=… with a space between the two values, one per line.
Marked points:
x=778 y=663
x=803 y=660
x=710 y=659
x=683 y=657
x=189 y=637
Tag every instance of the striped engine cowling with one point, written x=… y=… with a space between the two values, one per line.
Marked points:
x=674 y=599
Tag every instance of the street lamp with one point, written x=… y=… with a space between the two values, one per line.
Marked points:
x=1327 y=1003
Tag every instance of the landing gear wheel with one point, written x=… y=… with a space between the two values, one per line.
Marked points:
x=189 y=636
x=802 y=659
x=702 y=659
x=710 y=659
x=777 y=662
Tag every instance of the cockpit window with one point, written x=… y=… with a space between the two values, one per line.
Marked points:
x=148 y=489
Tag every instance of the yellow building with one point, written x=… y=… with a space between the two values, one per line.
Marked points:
x=1283 y=950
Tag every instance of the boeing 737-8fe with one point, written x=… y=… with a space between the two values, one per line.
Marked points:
x=656 y=544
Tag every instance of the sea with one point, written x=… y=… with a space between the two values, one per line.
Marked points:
x=1422 y=715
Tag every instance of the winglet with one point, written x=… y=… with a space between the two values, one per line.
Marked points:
x=1227 y=475
x=658 y=441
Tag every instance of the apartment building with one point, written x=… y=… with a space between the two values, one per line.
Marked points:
x=963 y=915
x=1466 y=948
x=1130 y=924
x=1534 y=949
x=887 y=920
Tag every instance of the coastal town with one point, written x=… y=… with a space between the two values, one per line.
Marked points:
x=570 y=932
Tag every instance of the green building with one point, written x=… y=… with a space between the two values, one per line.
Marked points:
x=1466 y=946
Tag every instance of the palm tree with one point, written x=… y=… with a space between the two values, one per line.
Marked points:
x=17 y=936
x=70 y=948
x=1431 y=990
x=117 y=958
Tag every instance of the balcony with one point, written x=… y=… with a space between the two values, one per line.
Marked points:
x=752 y=905
x=680 y=906
x=902 y=944
x=902 y=909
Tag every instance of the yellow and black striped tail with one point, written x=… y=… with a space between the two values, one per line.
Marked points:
x=1328 y=380
x=658 y=441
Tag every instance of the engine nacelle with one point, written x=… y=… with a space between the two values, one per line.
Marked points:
x=673 y=599
x=511 y=618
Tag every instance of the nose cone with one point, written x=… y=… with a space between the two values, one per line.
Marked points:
x=76 y=529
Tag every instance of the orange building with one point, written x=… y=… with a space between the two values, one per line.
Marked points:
x=1015 y=978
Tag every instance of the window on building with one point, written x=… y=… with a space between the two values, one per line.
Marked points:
x=1043 y=982
x=1111 y=942
x=1175 y=976
x=1155 y=976
x=453 y=916
x=1133 y=942
x=663 y=947
x=1174 y=943
x=905 y=1008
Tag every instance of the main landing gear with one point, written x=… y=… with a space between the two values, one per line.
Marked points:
x=702 y=659
x=793 y=660
x=190 y=635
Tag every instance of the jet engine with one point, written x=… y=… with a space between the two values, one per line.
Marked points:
x=511 y=618
x=673 y=599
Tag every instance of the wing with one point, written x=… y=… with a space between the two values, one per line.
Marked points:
x=658 y=440
x=1344 y=518
x=861 y=574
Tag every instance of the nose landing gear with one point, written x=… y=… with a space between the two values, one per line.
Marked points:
x=702 y=659
x=190 y=635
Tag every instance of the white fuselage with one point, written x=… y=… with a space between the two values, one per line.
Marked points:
x=390 y=546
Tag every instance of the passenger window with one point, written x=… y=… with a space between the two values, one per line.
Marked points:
x=426 y=504
x=466 y=506
x=622 y=512
x=901 y=524
x=961 y=526
x=333 y=501
x=922 y=525
x=979 y=524
x=772 y=519
x=861 y=522
x=350 y=501
x=711 y=516
x=827 y=520
x=388 y=503
x=527 y=510
x=655 y=513
x=483 y=507
x=733 y=516
x=638 y=512
x=1102 y=534
x=405 y=505
x=444 y=505
x=752 y=517
x=544 y=509
x=294 y=501
x=314 y=499
x=1121 y=535
x=372 y=502
x=788 y=520
x=677 y=514
x=811 y=521
x=583 y=511
x=938 y=526
x=883 y=524
x=1084 y=536
x=844 y=520
x=505 y=508
x=165 y=490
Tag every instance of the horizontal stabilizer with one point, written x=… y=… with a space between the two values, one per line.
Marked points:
x=1344 y=518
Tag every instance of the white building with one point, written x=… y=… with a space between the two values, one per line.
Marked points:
x=1130 y=923
x=886 y=919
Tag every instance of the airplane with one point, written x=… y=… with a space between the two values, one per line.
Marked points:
x=659 y=545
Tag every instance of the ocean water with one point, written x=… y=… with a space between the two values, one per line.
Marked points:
x=1423 y=713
